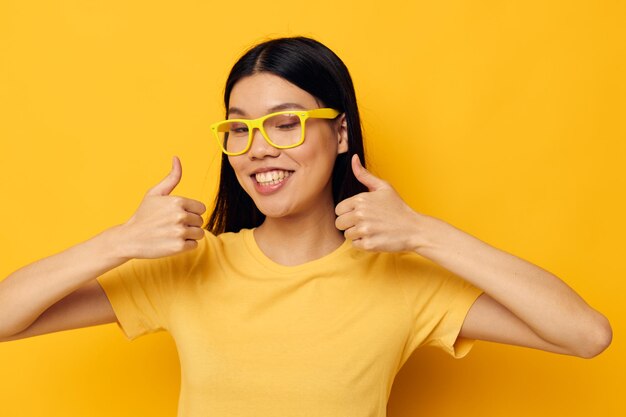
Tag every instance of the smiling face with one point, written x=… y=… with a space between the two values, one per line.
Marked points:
x=286 y=182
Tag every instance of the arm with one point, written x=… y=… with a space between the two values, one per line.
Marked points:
x=85 y=307
x=54 y=293
x=28 y=292
x=524 y=305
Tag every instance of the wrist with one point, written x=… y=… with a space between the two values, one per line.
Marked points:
x=426 y=234
x=114 y=244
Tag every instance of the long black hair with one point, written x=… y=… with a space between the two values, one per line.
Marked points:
x=316 y=69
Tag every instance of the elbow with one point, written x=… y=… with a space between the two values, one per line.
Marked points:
x=9 y=336
x=596 y=339
x=6 y=336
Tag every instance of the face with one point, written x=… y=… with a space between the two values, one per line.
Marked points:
x=286 y=182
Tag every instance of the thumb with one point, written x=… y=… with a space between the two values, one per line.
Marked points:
x=365 y=177
x=170 y=182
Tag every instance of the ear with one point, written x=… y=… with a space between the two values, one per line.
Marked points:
x=342 y=134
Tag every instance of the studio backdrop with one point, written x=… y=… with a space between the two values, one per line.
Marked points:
x=507 y=119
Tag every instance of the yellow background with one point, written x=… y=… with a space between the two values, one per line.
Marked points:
x=507 y=119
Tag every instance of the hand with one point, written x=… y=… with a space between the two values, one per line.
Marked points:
x=378 y=220
x=163 y=224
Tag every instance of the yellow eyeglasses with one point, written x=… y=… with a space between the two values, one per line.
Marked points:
x=282 y=130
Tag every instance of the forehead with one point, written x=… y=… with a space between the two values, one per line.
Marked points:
x=262 y=93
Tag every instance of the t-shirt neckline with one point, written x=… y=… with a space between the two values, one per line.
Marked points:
x=262 y=258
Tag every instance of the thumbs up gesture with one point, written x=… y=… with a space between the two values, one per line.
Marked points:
x=377 y=220
x=163 y=224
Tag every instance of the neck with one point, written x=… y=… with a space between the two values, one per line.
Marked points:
x=298 y=239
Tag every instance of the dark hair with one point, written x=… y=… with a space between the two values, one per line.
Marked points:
x=317 y=70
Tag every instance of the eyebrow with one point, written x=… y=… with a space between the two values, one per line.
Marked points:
x=279 y=107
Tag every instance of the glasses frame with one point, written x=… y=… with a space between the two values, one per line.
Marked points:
x=323 y=113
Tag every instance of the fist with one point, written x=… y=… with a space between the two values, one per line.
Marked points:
x=377 y=220
x=163 y=224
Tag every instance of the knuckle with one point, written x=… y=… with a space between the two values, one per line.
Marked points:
x=179 y=232
x=180 y=217
x=180 y=245
x=367 y=244
x=363 y=229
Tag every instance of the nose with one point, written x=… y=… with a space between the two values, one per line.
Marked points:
x=260 y=148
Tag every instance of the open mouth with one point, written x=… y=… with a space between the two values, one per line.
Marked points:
x=272 y=177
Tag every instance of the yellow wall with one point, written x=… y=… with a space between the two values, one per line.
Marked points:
x=507 y=119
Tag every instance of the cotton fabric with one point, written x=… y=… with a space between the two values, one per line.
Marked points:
x=256 y=338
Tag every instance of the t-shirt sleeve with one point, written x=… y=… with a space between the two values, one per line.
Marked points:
x=438 y=302
x=142 y=291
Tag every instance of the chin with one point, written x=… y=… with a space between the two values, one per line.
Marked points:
x=273 y=210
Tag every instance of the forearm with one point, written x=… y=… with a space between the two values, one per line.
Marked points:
x=522 y=295
x=543 y=301
x=28 y=292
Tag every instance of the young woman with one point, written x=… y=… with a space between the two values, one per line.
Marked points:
x=313 y=281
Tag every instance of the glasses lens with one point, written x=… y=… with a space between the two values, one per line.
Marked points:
x=283 y=129
x=233 y=136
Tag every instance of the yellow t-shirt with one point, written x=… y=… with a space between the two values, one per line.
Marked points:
x=256 y=338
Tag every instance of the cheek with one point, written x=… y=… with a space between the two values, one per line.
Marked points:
x=233 y=162
x=236 y=163
x=320 y=159
x=324 y=142
x=236 y=166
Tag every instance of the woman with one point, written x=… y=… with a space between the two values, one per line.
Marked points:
x=307 y=292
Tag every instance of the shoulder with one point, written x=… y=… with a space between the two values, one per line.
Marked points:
x=398 y=265
x=225 y=241
x=422 y=274
x=401 y=263
x=413 y=264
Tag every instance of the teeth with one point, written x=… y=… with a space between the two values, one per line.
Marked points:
x=271 y=177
